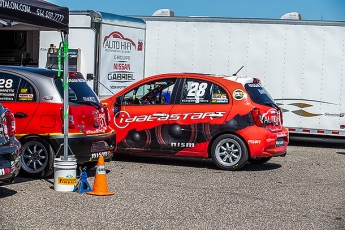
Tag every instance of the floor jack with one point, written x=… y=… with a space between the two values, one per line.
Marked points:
x=82 y=185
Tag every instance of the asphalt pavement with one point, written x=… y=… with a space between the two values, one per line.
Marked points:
x=304 y=190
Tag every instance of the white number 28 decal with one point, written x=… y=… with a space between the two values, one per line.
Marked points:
x=6 y=83
x=197 y=89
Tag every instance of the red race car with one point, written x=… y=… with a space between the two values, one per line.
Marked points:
x=232 y=120
x=35 y=96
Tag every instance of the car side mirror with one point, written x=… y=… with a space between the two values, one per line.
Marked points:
x=118 y=100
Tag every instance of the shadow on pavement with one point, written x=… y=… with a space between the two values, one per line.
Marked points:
x=317 y=144
x=177 y=161
x=189 y=162
x=260 y=167
x=5 y=192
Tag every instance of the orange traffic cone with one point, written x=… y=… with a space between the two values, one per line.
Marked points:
x=100 y=186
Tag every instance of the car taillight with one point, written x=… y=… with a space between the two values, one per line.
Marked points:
x=256 y=80
x=107 y=114
x=257 y=117
x=75 y=75
x=10 y=123
x=70 y=118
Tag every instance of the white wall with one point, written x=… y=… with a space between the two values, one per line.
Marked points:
x=303 y=63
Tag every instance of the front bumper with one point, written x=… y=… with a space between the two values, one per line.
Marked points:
x=87 y=148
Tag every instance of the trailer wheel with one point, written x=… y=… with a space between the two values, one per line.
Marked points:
x=229 y=152
x=258 y=160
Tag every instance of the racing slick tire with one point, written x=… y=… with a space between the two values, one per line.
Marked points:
x=229 y=152
x=258 y=160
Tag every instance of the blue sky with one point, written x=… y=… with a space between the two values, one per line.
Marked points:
x=309 y=9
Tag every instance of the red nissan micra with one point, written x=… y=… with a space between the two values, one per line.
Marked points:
x=35 y=96
x=232 y=120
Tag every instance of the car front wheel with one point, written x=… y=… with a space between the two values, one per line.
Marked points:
x=229 y=152
x=37 y=158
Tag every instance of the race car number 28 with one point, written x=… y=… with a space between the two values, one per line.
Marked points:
x=197 y=89
x=6 y=83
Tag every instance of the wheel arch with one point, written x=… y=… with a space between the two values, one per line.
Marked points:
x=223 y=133
x=50 y=141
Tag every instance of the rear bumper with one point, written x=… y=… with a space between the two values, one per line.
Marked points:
x=88 y=148
x=269 y=144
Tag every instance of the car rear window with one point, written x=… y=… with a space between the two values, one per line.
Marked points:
x=258 y=94
x=79 y=91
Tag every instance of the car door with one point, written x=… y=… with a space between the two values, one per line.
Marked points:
x=200 y=110
x=21 y=97
x=140 y=113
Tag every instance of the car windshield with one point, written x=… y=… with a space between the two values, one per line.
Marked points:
x=259 y=94
x=79 y=91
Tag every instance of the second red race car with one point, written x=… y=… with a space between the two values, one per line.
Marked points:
x=232 y=120
x=36 y=96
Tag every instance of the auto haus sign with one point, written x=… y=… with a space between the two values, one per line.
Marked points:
x=122 y=57
x=119 y=43
x=122 y=46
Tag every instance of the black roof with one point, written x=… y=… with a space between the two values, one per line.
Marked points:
x=36 y=12
x=41 y=71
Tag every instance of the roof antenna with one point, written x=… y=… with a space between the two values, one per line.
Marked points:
x=235 y=74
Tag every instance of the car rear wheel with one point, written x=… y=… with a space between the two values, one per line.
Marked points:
x=229 y=152
x=258 y=160
x=37 y=158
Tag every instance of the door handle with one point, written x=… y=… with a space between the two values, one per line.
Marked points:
x=159 y=115
x=20 y=115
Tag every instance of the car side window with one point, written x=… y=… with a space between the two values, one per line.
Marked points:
x=14 y=88
x=219 y=95
x=156 y=92
x=198 y=91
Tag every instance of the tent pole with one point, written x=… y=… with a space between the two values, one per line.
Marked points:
x=66 y=94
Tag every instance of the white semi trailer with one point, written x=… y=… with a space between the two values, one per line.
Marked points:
x=301 y=63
